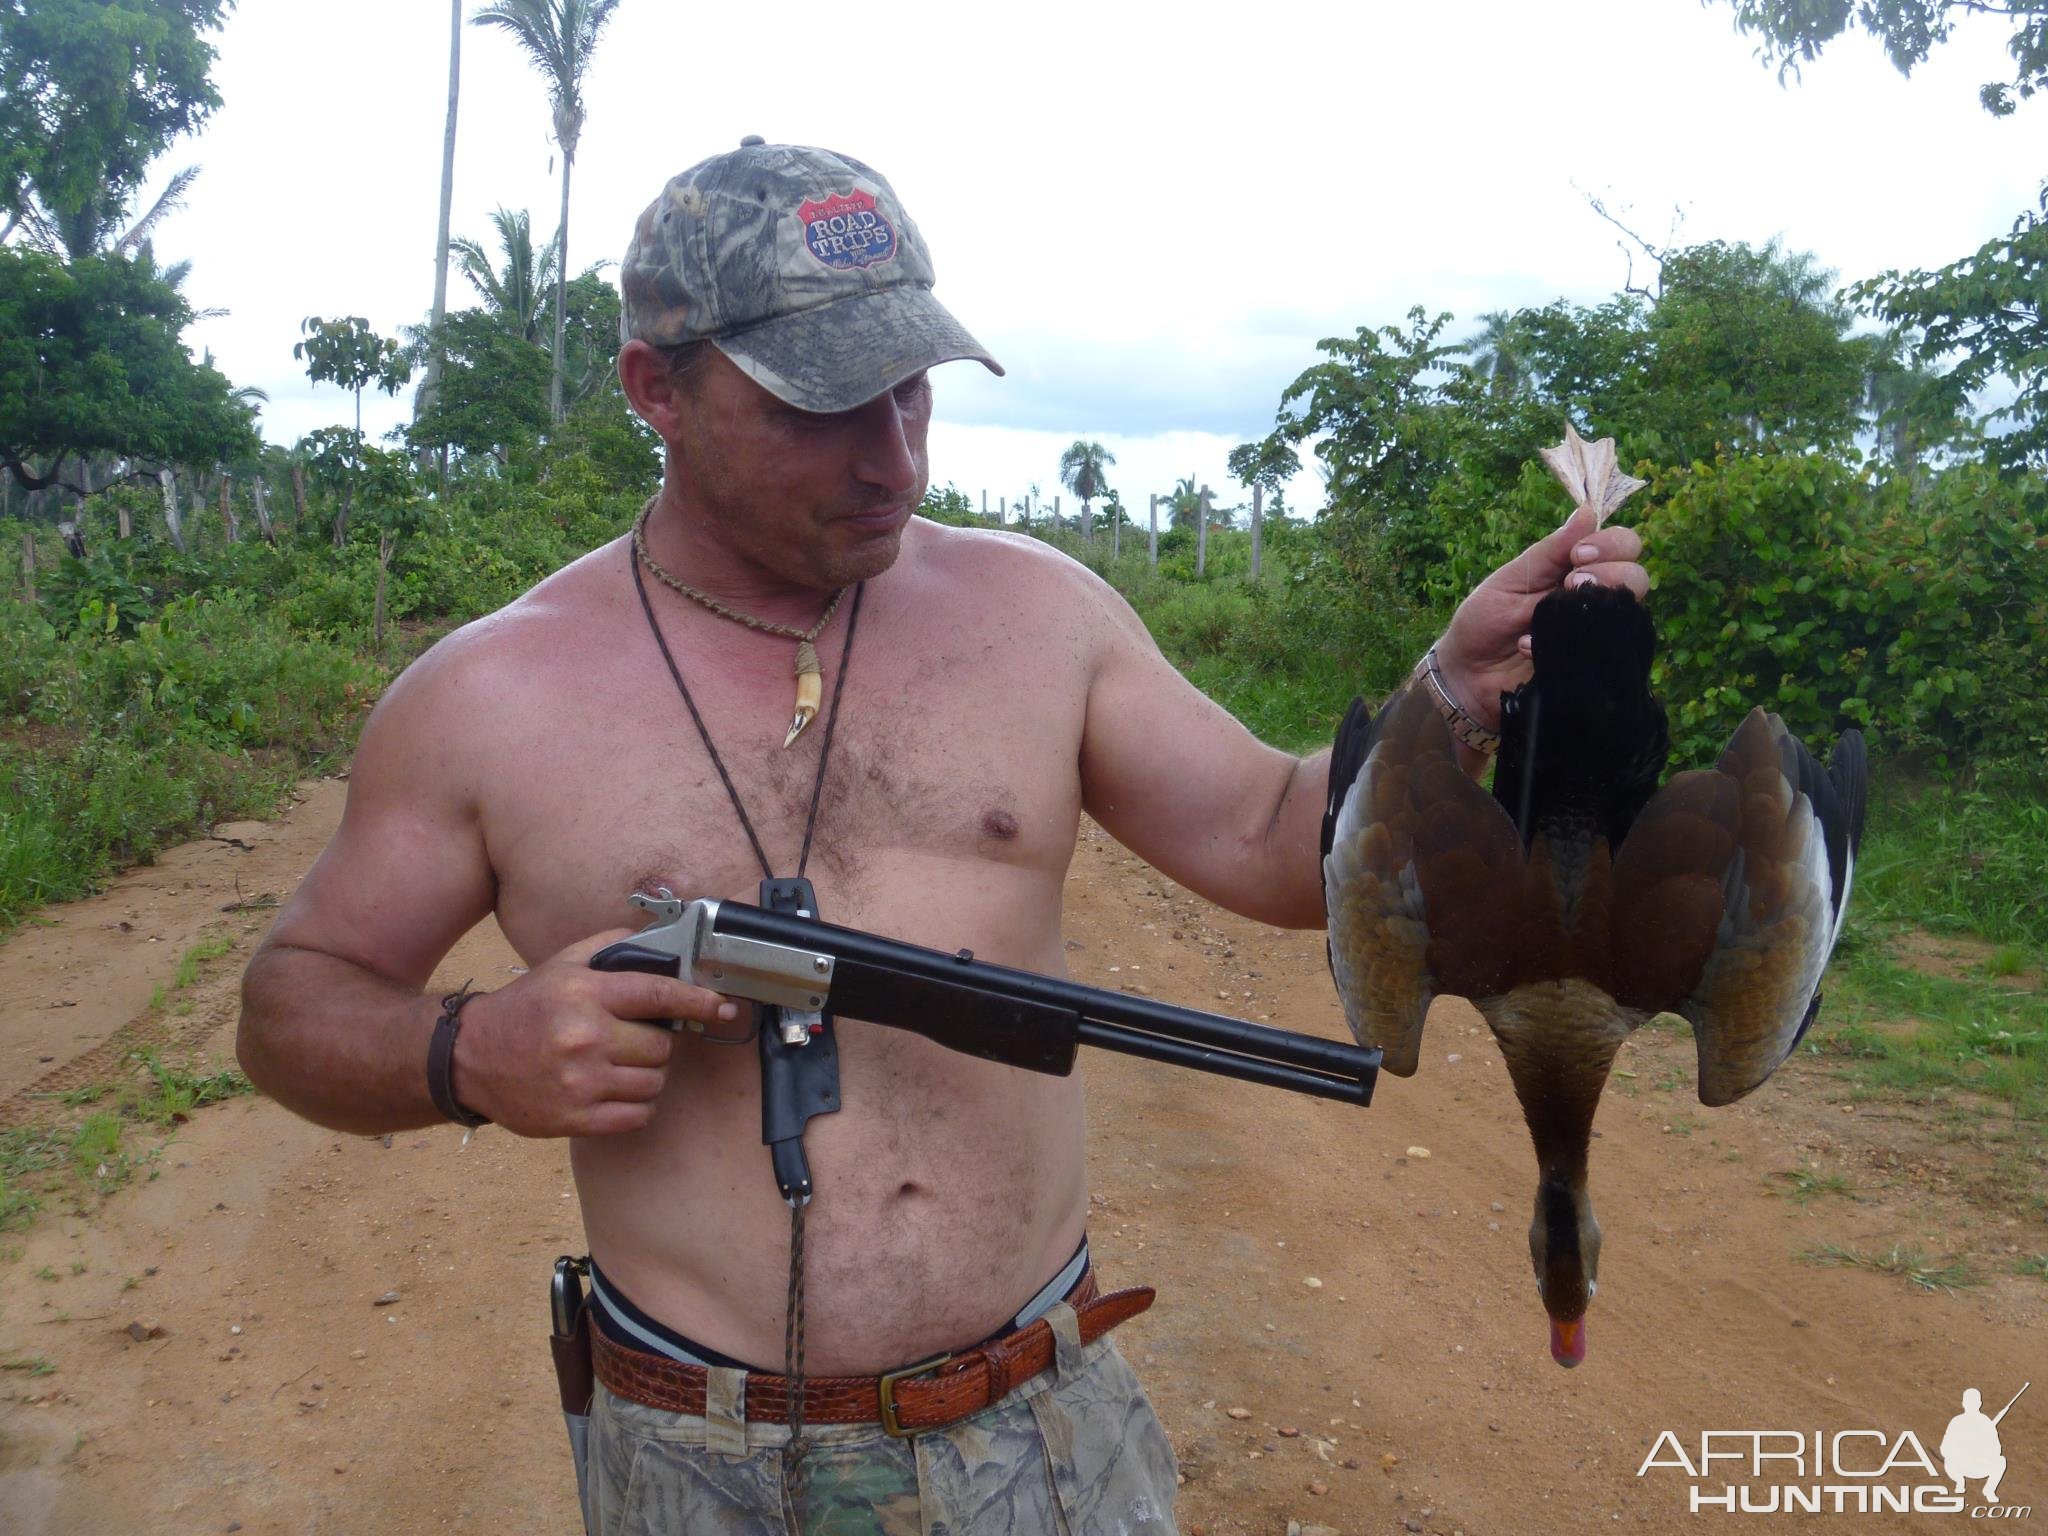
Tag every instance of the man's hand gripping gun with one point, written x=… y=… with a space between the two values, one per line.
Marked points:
x=802 y=972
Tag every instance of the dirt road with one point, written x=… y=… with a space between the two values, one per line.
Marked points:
x=1347 y=1334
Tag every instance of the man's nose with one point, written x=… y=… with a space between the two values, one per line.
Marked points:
x=887 y=452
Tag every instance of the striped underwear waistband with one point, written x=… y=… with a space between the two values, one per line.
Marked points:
x=625 y=1324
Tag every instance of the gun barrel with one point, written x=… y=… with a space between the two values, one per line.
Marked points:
x=892 y=982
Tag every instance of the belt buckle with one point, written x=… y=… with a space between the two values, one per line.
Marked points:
x=885 y=1390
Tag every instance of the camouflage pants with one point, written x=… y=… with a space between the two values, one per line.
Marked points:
x=1074 y=1451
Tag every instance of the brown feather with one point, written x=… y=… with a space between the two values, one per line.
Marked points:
x=1423 y=879
x=1722 y=907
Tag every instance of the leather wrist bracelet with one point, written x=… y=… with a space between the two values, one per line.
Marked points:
x=1463 y=726
x=441 y=1060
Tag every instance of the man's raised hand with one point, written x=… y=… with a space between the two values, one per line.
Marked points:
x=1485 y=652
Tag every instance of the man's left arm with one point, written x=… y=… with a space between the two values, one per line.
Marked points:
x=1175 y=778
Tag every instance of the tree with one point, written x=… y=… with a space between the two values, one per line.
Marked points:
x=95 y=89
x=514 y=294
x=1795 y=31
x=1748 y=348
x=1985 y=312
x=1908 y=404
x=1184 y=504
x=91 y=364
x=590 y=343
x=434 y=358
x=493 y=393
x=1377 y=402
x=558 y=37
x=1082 y=471
x=1496 y=352
x=1264 y=466
x=347 y=352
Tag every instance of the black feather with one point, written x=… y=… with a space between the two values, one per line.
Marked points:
x=1583 y=742
x=1347 y=757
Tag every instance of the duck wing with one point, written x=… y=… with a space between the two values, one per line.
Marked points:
x=1424 y=880
x=1729 y=894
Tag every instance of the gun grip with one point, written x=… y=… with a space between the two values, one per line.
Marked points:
x=628 y=955
x=798 y=1081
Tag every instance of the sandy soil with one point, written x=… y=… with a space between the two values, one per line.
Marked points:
x=1347 y=1334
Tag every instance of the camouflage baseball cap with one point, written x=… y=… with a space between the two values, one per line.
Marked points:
x=801 y=266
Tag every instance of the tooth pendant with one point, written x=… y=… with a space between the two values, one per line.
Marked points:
x=809 y=689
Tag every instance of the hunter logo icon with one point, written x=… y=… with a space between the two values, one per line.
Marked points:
x=1971 y=1448
x=845 y=232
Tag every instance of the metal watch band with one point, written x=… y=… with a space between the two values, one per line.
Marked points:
x=441 y=1061
x=1463 y=726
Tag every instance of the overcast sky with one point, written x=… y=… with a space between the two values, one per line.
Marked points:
x=1149 y=213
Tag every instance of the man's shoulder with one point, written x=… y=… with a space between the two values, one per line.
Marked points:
x=514 y=645
x=995 y=559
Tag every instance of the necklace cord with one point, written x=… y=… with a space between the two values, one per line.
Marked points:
x=706 y=600
x=793 y=1314
x=717 y=762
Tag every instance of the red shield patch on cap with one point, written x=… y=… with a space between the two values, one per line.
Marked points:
x=845 y=231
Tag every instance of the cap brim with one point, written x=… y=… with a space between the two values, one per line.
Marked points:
x=843 y=354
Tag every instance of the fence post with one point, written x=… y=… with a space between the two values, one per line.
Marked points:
x=1258 y=515
x=1202 y=532
x=169 y=483
x=1152 y=552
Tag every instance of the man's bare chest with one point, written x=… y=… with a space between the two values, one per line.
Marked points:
x=946 y=767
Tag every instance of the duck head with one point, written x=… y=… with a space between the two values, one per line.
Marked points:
x=1564 y=1247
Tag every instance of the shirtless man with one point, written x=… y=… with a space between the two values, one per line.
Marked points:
x=539 y=764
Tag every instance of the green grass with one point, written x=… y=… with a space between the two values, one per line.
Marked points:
x=2010 y=960
x=113 y=746
x=96 y=1154
x=1803 y=1186
x=2034 y=1264
x=171 y=1094
x=85 y=1159
x=28 y=1154
x=1959 y=858
x=1907 y=1032
x=1909 y=1264
x=34 y=1365
x=190 y=962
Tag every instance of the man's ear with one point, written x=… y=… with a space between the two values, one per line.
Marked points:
x=644 y=376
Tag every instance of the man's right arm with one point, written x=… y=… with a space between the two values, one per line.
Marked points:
x=334 y=1024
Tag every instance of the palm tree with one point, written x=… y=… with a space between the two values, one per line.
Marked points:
x=1184 y=505
x=435 y=358
x=559 y=37
x=1908 y=411
x=516 y=292
x=94 y=227
x=1497 y=353
x=1081 y=471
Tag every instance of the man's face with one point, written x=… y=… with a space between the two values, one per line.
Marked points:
x=821 y=500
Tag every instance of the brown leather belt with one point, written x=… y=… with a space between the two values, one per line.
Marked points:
x=931 y=1395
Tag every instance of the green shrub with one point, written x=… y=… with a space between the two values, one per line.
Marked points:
x=1791 y=583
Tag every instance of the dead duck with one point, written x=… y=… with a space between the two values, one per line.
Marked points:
x=1579 y=899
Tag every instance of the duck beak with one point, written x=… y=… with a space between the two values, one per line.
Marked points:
x=1568 y=1342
